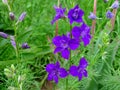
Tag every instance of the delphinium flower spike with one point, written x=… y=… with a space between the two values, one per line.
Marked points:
x=80 y=70
x=83 y=33
x=75 y=15
x=109 y=14
x=55 y=72
x=4 y=35
x=59 y=13
x=64 y=44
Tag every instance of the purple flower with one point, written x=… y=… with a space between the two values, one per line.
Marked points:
x=25 y=46
x=75 y=15
x=55 y=72
x=12 y=16
x=115 y=5
x=64 y=44
x=59 y=13
x=109 y=14
x=82 y=33
x=80 y=70
x=4 y=35
x=22 y=16
x=92 y=16
x=12 y=40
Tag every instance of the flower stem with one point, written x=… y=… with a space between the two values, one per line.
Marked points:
x=66 y=84
x=94 y=21
x=113 y=18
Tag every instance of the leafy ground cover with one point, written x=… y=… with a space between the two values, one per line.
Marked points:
x=28 y=39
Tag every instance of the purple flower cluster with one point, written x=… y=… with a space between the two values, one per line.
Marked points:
x=71 y=41
x=55 y=71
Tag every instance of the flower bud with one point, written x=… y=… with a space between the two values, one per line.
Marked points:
x=4 y=35
x=12 y=16
x=22 y=16
x=115 y=5
x=25 y=46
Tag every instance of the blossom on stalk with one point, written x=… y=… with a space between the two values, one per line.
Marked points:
x=82 y=33
x=64 y=44
x=109 y=14
x=75 y=15
x=25 y=46
x=55 y=72
x=80 y=70
x=92 y=16
x=115 y=5
x=59 y=13
x=3 y=35
x=22 y=16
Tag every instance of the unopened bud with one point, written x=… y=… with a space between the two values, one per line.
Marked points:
x=22 y=16
x=12 y=16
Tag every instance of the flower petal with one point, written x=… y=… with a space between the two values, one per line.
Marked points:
x=73 y=44
x=55 y=78
x=57 y=65
x=83 y=63
x=50 y=67
x=73 y=71
x=85 y=73
x=86 y=41
x=65 y=53
x=62 y=73
x=50 y=77
x=80 y=76
x=56 y=41
x=76 y=32
x=57 y=49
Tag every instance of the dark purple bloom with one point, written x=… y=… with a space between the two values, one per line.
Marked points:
x=25 y=46
x=82 y=33
x=80 y=70
x=92 y=16
x=12 y=40
x=22 y=16
x=4 y=35
x=12 y=16
x=109 y=14
x=59 y=13
x=115 y=5
x=75 y=15
x=55 y=72
x=64 y=44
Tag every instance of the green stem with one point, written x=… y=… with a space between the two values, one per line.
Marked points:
x=66 y=84
x=17 y=47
